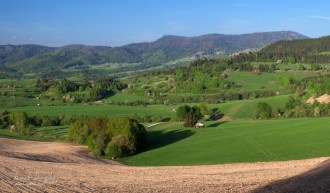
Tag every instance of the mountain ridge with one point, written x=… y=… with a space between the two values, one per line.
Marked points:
x=37 y=58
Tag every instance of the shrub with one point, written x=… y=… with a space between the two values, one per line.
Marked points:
x=4 y=120
x=21 y=121
x=192 y=116
x=204 y=109
x=119 y=146
x=97 y=143
x=79 y=131
x=182 y=112
x=113 y=151
x=264 y=111
x=110 y=136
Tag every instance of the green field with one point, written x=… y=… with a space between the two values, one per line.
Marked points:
x=243 y=109
x=53 y=132
x=251 y=81
x=220 y=142
x=235 y=141
x=246 y=109
x=95 y=110
x=5 y=133
x=48 y=133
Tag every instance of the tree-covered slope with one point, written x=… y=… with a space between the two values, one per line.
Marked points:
x=297 y=51
x=34 y=58
x=10 y=54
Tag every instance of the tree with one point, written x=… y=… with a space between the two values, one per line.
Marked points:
x=4 y=120
x=113 y=137
x=315 y=67
x=292 y=103
x=204 y=109
x=182 y=112
x=192 y=116
x=21 y=121
x=264 y=111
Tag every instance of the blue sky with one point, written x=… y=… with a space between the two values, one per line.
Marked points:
x=119 y=22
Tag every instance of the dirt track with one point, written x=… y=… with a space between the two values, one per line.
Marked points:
x=59 y=167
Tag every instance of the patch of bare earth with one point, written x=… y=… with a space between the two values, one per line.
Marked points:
x=27 y=166
x=321 y=99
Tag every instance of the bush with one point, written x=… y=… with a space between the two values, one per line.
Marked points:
x=21 y=122
x=113 y=151
x=104 y=135
x=97 y=143
x=264 y=111
x=119 y=146
x=190 y=114
x=4 y=120
x=182 y=112
x=204 y=109
x=79 y=131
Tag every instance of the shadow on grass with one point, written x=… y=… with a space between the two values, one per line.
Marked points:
x=158 y=139
x=51 y=129
x=216 y=117
x=217 y=124
x=314 y=180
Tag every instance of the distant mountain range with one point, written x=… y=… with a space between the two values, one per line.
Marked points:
x=36 y=58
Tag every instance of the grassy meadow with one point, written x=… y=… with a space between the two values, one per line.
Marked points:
x=242 y=109
x=235 y=141
x=219 y=142
x=238 y=138
x=5 y=133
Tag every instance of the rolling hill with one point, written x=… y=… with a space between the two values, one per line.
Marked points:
x=35 y=58
x=312 y=51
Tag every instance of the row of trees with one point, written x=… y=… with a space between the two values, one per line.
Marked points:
x=205 y=75
x=24 y=124
x=294 y=107
x=112 y=137
x=297 y=108
x=297 y=51
x=221 y=97
x=82 y=91
x=191 y=114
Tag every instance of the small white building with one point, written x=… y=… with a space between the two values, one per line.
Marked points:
x=199 y=125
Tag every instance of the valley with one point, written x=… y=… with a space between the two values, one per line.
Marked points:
x=98 y=127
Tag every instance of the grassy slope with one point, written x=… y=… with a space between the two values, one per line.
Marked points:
x=113 y=110
x=251 y=81
x=243 y=109
x=5 y=133
x=236 y=141
x=48 y=133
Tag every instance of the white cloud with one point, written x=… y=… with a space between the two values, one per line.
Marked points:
x=320 y=17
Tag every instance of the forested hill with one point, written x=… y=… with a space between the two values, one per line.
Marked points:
x=34 y=58
x=298 y=51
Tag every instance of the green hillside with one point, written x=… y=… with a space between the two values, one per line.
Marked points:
x=310 y=51
x=235 y=141
x=40 y=59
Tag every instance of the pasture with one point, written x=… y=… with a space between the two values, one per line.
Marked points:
x=272 y=81
x=220 y=141
x=235 y=141
x=242 y=109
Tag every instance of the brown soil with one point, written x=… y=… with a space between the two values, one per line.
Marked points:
x=321 y=99
x=27 y=166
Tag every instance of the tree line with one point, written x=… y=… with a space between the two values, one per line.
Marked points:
x=111 y=137
x=297 y=51
x=81 y=91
